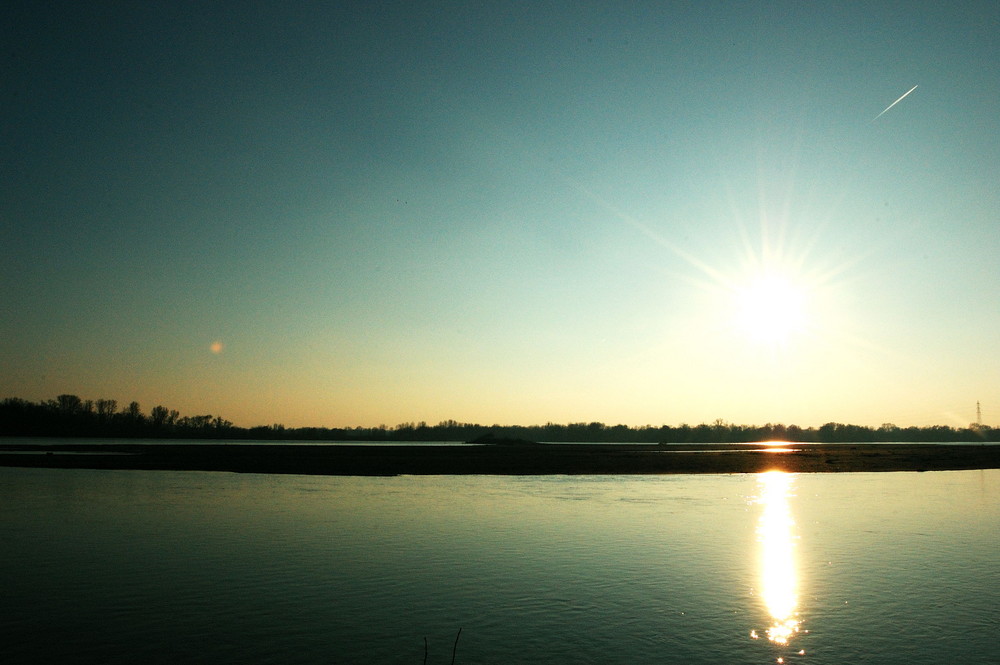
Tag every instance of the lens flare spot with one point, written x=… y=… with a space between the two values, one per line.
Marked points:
x=216 y=347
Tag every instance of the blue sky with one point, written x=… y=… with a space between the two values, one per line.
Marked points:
x=507 y=212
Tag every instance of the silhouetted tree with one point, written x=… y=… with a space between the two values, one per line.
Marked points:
x=106 y=409
x=69 y=404
x=158 y=416
x=133 y=412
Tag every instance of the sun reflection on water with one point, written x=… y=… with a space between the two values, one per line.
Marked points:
x=778 y=572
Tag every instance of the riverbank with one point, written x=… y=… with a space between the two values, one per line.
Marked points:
x=374 y=460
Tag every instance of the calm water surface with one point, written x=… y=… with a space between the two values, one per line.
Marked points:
x=195 y=567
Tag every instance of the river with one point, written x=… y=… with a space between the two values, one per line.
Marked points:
x=200 y=567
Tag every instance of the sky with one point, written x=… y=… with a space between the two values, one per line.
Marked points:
x=354 y=214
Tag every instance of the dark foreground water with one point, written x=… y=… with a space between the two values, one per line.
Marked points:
x=193 y=567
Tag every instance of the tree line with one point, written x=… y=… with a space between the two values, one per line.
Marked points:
x=71 y=416
x=68 y=415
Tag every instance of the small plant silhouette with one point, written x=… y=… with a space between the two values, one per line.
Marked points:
x=454 y=648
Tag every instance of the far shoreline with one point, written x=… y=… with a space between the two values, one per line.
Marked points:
x=340 y=459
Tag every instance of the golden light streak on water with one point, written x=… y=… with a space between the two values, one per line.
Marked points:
x=778 y=570
x=778 y=447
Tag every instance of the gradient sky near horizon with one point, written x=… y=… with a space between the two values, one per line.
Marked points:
x=340 y=214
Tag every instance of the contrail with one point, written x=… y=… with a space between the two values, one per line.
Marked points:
x=894 y=103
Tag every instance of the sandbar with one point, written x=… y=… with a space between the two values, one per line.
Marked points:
x=540 y=459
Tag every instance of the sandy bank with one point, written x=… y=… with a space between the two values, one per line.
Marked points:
x=503 y=460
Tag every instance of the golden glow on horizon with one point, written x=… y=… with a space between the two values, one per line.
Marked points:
x=778 y=571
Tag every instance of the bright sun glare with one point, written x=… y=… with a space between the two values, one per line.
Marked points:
x=770 y=308
x=777 y=543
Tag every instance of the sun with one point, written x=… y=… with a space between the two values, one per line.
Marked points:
x=770 y=307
